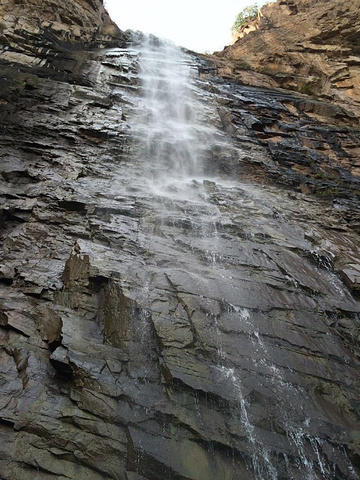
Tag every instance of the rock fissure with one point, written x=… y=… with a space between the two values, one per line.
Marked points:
x=164 y=326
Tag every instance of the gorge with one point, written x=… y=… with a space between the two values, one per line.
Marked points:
x=179 y=275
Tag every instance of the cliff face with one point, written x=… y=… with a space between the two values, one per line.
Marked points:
x=50 y=39
x=310 y=46
x=153 y=327
x=75 y=21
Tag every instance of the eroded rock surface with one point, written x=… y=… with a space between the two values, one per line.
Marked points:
x=74 y=21
x=203 y=331
x=306 y=45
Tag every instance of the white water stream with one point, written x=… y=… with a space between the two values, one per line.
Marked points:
x=174 y=124
x=176 y=131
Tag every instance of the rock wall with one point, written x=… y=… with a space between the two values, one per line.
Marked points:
x=308 y=45
x=73 y=21
x=142 y=338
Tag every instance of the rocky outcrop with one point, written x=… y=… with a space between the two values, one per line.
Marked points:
x=206 y=335
x=73 y=21
x=313 y=144
x=51 y=40
x=310 y=46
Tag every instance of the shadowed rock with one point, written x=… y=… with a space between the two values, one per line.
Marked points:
x=204 y=328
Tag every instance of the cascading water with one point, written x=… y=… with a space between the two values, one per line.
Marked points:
x=188 y=214
x=170 y=143
x=172 y=127
x=198 y=329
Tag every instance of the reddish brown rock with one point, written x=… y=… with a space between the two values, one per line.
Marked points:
x=307 y=45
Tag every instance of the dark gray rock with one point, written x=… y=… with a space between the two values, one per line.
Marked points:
x=191 y=330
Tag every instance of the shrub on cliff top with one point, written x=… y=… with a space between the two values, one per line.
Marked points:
x=246 y=14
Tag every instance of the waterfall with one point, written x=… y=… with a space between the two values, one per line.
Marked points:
x=219 y=297
x=171 y=145
x=191 y=207
x=173 y=122
x=173 y=305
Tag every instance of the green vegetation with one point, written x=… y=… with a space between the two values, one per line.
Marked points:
x=241 y=64
x=246 y=14
x=310 y=88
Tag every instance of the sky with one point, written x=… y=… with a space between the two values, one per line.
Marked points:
x=199 y=25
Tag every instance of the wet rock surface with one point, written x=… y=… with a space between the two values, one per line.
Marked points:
x=198 y=330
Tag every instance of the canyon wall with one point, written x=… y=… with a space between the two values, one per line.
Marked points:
x=186 y=330
x=310 y=46
x=74 y=21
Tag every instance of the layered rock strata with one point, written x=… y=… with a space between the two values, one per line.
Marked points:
x=310 y=46
x=73 y=21
x=152 y=337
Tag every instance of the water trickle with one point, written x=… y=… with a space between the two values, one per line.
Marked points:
x=260 y=456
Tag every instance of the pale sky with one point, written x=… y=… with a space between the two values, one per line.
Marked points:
x=200 y=25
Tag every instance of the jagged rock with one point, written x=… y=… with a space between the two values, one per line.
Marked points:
x=201 y=329
x=49 y=325
x=73 y=21
x=306 y=46
x=351 y=276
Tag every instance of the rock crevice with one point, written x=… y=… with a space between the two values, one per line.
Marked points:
x=307 y=46
x=150 y=334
